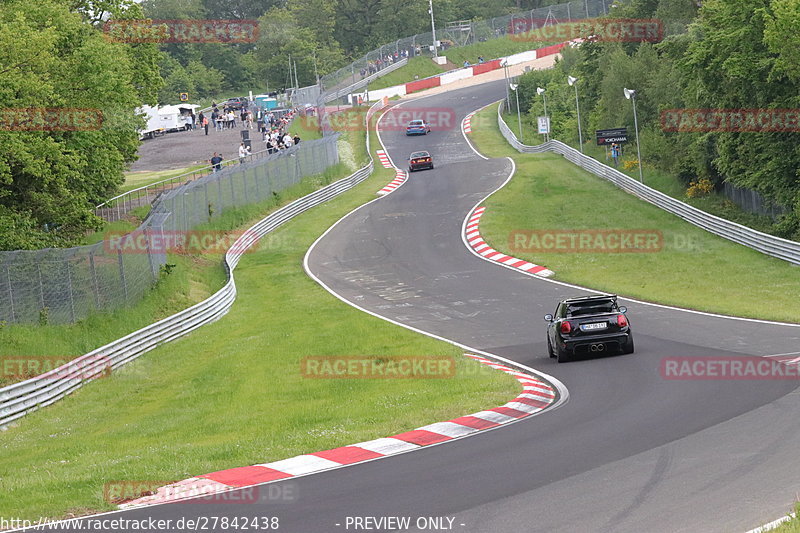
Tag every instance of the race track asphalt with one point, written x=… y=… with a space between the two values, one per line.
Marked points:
x=629 y=452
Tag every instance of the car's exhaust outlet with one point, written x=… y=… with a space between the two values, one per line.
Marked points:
x=597 y=347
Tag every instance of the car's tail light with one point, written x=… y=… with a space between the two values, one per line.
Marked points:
x=622 y=321
x=566 y=327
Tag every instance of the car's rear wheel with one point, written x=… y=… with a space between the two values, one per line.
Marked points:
x=550 y=349
x=627 y=348
x=561 y=355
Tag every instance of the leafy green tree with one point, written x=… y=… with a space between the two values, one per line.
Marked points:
x=49 y=180
x=284 y=38
x=240 y=9
x=207 y=80
x=731 y=66
x=176 y=80
x=782 y=36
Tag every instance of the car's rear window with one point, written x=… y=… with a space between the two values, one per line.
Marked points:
x=415 y=123
x=590 y=308
x=419 y=154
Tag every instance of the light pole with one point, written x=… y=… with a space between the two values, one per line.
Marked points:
x=541 y=91
x=572 y=81
x=630 y=94
x=433 y=30
x=514 y=87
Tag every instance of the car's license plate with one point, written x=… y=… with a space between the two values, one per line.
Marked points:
x=594 y=326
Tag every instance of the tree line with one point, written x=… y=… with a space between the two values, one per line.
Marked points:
x=319 y=36
x=734 y=57
x=57 y=160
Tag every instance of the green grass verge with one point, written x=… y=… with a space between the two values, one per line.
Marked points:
x=308 y=130
x=136 y=179
x=419 y=66
x=793 y=525
x=194 y=279
x=715 y=203
x=491 y=49
x=231 y=393
x=694 y=269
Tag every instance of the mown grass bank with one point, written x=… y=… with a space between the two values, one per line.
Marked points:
x=691 y=268
x=232 y=393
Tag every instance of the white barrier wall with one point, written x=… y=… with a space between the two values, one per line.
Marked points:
x=455 y=75
x=397 y=90
x=522 y=57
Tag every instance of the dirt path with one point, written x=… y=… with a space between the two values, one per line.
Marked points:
x=185 y=148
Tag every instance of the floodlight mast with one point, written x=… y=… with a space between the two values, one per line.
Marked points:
x=630 y=94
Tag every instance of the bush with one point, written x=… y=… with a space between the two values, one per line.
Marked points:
x=699 y=188
x=630 y=164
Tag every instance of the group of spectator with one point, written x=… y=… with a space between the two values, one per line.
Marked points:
x=226 y=118
x=275 y=134
x=383 y=62
x=221 y=119
x=279 y=140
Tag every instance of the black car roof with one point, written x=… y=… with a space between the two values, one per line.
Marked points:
x=591 y=298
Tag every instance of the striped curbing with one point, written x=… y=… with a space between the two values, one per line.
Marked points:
x=536 y=396
x=476 y=242
x=384 y=159
x=468 y=122
x=399 y=179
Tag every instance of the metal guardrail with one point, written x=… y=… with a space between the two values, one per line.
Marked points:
x=21 y=398
x=767 y=244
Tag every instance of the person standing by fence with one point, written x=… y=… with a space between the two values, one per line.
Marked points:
x=615 y=154
x=243 y=153
x=216 y=162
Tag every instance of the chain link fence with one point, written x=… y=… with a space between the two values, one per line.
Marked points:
x=461 y=34
x=752 y=202
x=59 y=286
